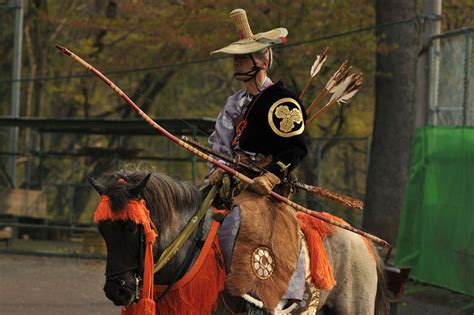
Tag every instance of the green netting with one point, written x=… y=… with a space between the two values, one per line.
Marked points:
x=436 y=235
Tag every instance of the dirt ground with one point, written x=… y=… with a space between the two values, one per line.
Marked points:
x=52 y=285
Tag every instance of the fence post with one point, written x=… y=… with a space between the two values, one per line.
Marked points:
x=15 y=104
x=426 y=74
x=467 y=73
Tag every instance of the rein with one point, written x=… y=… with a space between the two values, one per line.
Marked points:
x=173 y=248
x=195 y=247
x=184 y=235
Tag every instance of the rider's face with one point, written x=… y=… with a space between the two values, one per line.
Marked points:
x=242 y=64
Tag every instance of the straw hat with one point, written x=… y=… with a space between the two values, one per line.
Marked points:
x=249 y=42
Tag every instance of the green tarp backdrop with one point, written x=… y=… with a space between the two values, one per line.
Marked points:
x=436 y=234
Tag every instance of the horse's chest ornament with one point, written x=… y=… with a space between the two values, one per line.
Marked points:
x=263 y=263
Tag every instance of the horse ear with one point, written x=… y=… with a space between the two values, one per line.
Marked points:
x=138 y=188
x=97 y=186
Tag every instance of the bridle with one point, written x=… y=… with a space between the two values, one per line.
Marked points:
x=138 y=269
x=148 y=265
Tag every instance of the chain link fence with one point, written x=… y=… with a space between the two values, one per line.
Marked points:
x=451 y=81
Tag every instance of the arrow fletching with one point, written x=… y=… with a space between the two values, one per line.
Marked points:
x=342 y=87
x=337 y=77
x=320 y=59
x=352 y=89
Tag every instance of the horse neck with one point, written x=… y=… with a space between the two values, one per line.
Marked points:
x=171 y=209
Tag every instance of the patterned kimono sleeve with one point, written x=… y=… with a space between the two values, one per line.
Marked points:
x=224 y=131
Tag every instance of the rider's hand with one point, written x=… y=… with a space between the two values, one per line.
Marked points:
x=264 y=184
x=216 y=176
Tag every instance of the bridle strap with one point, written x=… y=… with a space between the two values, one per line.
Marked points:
x=141 y=262
x=138 y=268
x=111 y=275
x=196 y=246
x=184 y=235
x=197 y=242
x=146 y=240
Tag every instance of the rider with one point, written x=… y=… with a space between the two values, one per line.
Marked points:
x=264 y=121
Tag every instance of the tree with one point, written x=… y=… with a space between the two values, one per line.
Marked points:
x=394 y=86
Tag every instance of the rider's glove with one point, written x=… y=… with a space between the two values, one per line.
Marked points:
x=264 y=184
x=216 y=176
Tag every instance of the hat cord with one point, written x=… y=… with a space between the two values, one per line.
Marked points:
x=252 y=73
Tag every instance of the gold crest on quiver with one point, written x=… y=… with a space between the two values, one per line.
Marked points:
x=286 y=118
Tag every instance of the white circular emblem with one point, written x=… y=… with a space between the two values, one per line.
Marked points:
x=262 y=263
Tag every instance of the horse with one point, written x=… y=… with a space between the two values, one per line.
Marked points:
x=359 y=286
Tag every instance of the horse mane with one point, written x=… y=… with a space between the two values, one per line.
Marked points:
x=166 y=198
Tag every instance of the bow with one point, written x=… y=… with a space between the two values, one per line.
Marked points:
x=207 y=157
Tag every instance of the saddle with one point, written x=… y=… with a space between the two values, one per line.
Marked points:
x=266 y=249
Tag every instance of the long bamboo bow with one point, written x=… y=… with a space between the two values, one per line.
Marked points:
x=206 y=157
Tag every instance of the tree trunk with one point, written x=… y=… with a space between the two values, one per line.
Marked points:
x=395 y=88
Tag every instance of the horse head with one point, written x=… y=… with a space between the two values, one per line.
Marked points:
x=126 y=198
x=122 y=218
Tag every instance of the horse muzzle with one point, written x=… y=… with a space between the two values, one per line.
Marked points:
x=122 y=292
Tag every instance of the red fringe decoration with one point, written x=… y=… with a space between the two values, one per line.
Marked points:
x=142 y=307
x=315 y=231
x=135 y=211
x=146 y=305
x=197 y=292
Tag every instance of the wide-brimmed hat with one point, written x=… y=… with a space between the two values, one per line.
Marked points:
x=247 y=41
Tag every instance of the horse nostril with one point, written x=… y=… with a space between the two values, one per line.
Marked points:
x=118 y=295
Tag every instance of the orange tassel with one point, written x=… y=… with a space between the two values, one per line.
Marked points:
x=142 y=307
x=315 y=231
x=135 y=211
x=196 y=293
